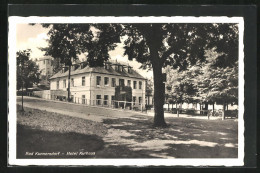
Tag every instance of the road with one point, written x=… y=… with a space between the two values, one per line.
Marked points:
x=75 y=110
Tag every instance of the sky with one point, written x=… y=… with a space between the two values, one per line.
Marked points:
x=34 y=37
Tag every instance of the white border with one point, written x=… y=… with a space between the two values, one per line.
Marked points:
x=120 y=162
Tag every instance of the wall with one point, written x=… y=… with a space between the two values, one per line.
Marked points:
x=91 y=90
x=43 y=94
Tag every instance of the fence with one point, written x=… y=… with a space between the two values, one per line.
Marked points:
x=98 y=102
x=208 y=113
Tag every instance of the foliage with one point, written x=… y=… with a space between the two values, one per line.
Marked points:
x=149 y=87
x=64 y=40
x=179 y=45
x=64 y=44
x=56 y=65
x=205 y=83
x=27 y=70
x=180 y=86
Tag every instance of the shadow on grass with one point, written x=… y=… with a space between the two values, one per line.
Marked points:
x=38 y=141
x=184 y=138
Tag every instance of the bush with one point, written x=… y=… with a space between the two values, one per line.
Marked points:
x=190 y=112
x=174 y=110
x=149 y=107
x=217 y=113
x=231 y=113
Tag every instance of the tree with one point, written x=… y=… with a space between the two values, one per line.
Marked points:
x=154 y=45
x=219 y=84
x=180 y=86
x=67 y=41
x=64 y=43
x=27 y=70
x=210 y=83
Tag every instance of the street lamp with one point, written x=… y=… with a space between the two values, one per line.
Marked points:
x=22 y=77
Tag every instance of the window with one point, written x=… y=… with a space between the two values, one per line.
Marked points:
x=140 y=99
x=43 y=61
x=134 y=84
x=83 y=99
x=58 y=84
x=134 y=99
x=129 y=70
x=140 y=84
x=119 y=68
x=64 y=83
x=112 y=100
x=121 y=82
x=107 y=66
x=113 y=82
x=105 y=99
x=72 y=82
x=98 y=99
x=98 y=80
x=47 y=61
x=129 y=83
x=83 y=81
x=106 y=81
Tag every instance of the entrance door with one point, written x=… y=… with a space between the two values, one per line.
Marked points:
x=105 y=99
x=83 y=99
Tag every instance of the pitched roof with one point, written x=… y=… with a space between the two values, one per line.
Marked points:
x=101 y=70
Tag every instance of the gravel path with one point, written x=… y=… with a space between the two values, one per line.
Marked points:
x=131 y=135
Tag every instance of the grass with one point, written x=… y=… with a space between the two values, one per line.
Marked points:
x=42 y=131
x=184 y=138
x=38 y=141
x=126 y=137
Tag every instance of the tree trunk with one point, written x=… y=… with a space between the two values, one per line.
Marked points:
x=158 y=96
x=223 y=113
x=22 y=96
x=69 y=84
x=206 y=108
x=180 y=108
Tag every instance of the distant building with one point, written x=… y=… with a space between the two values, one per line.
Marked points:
x=45 y=65
x=96 y=85
x=46 y=69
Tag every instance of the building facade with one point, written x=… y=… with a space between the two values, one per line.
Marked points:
x=97 y=85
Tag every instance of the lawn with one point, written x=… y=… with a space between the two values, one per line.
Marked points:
x=46 y=132
x=59 y=136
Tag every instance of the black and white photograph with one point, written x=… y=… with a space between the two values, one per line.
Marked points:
x=126 y=91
